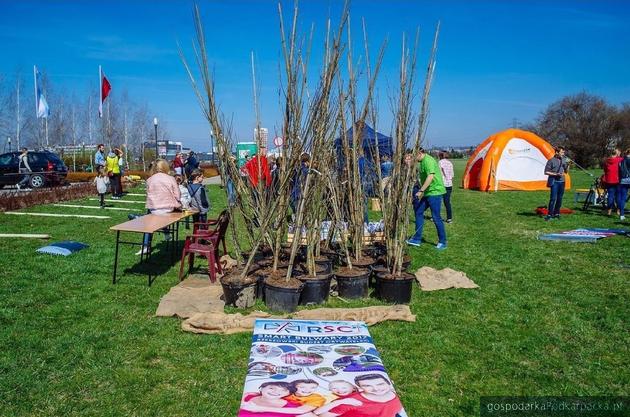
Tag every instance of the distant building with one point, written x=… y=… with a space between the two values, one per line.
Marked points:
x=264 y=135
x=166 y=148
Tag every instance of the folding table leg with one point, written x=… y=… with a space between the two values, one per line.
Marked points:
x=116 y=256
x=177 y=237
x=149 y=251
x=171 y=244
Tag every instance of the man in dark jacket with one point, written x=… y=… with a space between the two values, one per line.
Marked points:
x=555 y=169
x=191 y=164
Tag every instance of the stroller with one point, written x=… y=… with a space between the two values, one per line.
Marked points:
x=597 y=195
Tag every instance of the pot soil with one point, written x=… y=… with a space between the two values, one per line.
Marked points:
x=393 y=288
x=261 y=276
x=364 y=262
x=302 y=269
x=239 y=292
x=316 y=288
x=352 y=283
x=282 y=295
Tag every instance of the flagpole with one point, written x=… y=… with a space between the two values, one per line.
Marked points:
x=35 y=83
x=46 y=125
x=17 y=130
x=90 y=117
x=109 y=124
x=100 y=92
x=39 y=130
x=100 y=102
x=126 y=144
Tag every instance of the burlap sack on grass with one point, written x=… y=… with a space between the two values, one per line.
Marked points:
x=191 y=296
x=214 y=322
x=431 y=279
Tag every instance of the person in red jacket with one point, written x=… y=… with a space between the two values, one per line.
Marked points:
x=178 y=164
x=611 y=178
x=258 y=169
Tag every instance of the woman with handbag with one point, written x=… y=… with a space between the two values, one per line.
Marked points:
x=555 y=169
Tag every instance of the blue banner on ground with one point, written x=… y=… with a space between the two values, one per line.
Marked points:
x=316 y=368
x=583 y=235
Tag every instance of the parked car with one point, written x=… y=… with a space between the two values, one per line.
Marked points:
x=48 y=169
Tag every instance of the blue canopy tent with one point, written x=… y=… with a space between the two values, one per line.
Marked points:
x=370 y=139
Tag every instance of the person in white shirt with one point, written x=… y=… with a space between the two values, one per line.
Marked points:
x=447 y=173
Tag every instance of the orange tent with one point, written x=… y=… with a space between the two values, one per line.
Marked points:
x=510 y=160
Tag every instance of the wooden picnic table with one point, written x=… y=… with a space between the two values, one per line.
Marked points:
x=150 y=223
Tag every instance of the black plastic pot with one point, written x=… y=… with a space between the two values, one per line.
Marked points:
x=260 y=288
x=397 y=291
x=315 y=290
x=240 y=295
x=328 y=264
x=375 y=269
x=353 y=287
x=282 y=299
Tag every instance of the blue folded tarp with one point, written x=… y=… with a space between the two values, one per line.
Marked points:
x=64 y=248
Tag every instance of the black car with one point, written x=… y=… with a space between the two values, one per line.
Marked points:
x=47 y=169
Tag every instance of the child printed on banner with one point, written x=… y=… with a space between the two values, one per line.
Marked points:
x=271 y=401
x=376 y=398
x=304 y=392
x=198 y=197
x=339 y=389
x=102 y=182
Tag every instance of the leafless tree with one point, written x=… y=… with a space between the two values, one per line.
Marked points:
x=583 y=123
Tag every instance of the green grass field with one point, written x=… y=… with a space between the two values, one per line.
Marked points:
x=550 y=318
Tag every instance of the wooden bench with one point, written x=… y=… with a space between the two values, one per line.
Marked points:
x=150 y=224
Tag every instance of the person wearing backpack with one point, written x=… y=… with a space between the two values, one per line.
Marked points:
x=198 y=197
x=624 y=183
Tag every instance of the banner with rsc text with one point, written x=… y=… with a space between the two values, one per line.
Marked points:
x=316 y=369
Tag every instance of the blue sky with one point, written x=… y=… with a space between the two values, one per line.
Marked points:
x=497 y=60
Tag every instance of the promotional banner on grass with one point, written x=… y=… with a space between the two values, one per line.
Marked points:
x=316 y=369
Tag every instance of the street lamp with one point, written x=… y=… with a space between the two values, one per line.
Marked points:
x=155 y=123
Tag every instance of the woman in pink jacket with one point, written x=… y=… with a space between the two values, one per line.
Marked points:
x=163 y=196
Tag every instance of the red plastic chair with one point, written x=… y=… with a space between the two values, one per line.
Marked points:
x=191 y=249
x=216 y=235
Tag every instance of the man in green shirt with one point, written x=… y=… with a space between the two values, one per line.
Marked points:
x=427 y=193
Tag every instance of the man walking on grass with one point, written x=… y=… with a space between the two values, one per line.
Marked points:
x=428 y=193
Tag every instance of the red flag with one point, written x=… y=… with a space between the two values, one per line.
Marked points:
x=106 y=87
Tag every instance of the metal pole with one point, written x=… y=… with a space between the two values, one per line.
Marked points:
x=17 y=127
x=156 y=144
